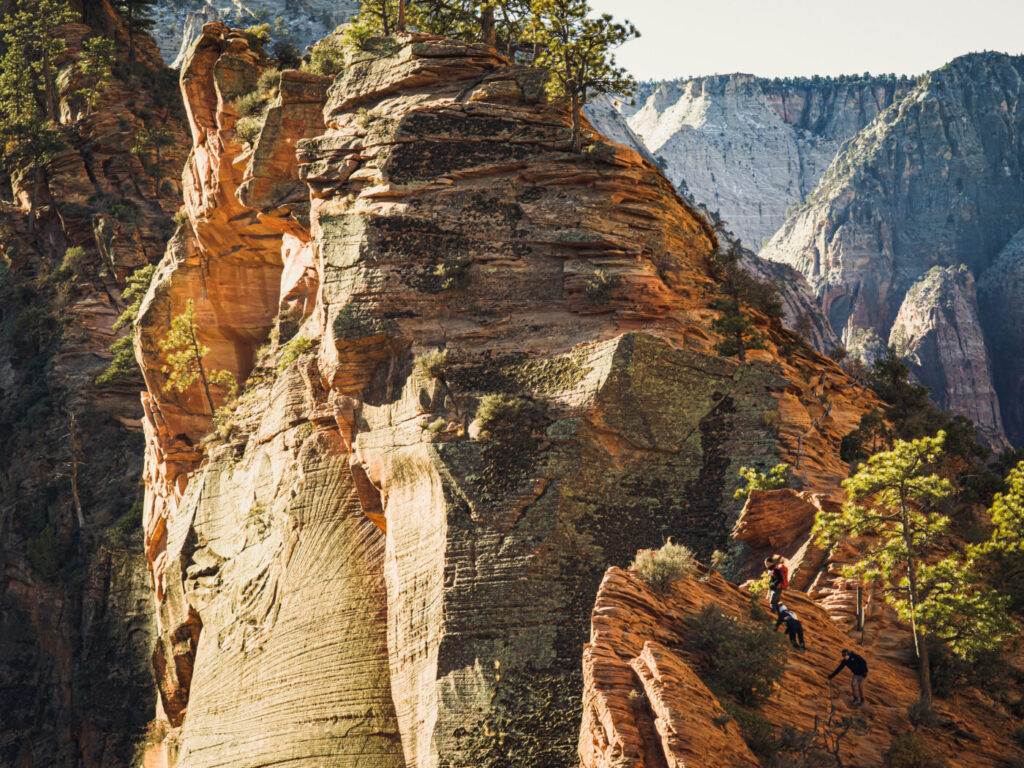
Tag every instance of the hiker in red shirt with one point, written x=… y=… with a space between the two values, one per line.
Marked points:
x=778 y=579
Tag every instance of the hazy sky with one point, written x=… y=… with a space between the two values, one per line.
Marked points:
x=805 y=37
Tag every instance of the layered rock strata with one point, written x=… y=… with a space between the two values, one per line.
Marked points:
x=488 y=374
x=938 y=331
x=934 y=181
x=647 y=704
x=751 y=148
x=999 y=293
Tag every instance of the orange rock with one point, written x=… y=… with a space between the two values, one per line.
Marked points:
x=639 y=644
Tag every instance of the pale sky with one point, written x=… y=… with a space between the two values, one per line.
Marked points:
x=775 y=38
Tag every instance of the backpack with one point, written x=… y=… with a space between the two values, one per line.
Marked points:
x=784 y=570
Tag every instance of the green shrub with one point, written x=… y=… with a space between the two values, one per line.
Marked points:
x=437 y=425
x=291 y=351
x=287 y=55
x=124 y=366
x=128 y=524
x=600 y=286
x=72 y=265
x=257 y=36
x=757 y=732
x=180 y=217
x=739 y=659
x=432 y=364
x=500 y=414
x=326 y=58
x=269 y=83
x=777 y=477
x=452 y=275
x=251 y=104
x=661 y=567
x=910 y=750
x=249 y=128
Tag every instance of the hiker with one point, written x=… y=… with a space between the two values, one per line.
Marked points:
x=778 y=579
x=859 y=668
x=794 y=629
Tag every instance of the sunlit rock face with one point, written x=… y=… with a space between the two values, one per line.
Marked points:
x=386 y=556
x=935 y=181
x=751 y=148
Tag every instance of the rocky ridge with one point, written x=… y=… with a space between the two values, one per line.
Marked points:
x=650 y=700
x=934 y=181
x=458 y=507
x=751 y=148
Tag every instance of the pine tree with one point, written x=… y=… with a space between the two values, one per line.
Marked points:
x=123 y=365
x=185 y=358
x=735 y=324
x=32 y=48
x=138 y=15
x=29 y=139
x=893 y=500
x=95 y=66
x=376 y=18
x=500 y=23
x=577 y=54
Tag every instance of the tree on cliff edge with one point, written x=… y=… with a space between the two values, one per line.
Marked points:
x=185 y=358
x=138 y=15
x=576 y=50
x=893 y=502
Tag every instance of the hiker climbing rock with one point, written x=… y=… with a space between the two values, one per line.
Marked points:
x=794 y=629
x=859 y=667
x=778 y=579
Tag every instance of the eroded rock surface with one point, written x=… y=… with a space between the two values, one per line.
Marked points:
x=937 y=330
x=76 y=612
x=750 y=148
x=647 y=705
x=934 y=181
x=389 y=573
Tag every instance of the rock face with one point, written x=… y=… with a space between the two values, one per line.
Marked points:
x=999 y=292
x=76 y=614
x=935 y=181
x=647 y=705
x=606 y=117
x=649 y=701
x=299 y=22
x=938 y=332
x=487 y=373
x=750 y=148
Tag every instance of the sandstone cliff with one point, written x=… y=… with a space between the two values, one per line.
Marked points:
x=650 y=700
x=76 y=614
x=999 y=292
x=750 y=148
x=938 y=332
x=477 y=368
x=647 y=704
x=934 y=181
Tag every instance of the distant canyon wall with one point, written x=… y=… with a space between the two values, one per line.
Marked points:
x=750 y=148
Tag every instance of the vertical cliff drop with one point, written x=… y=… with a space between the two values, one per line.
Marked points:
x=488 y=374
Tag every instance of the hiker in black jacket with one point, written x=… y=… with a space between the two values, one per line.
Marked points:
x=778 y=579
x=859 y=668
x=794 y=629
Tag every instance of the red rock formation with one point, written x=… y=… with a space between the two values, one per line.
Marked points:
x=645 y=703
x=445 y=212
